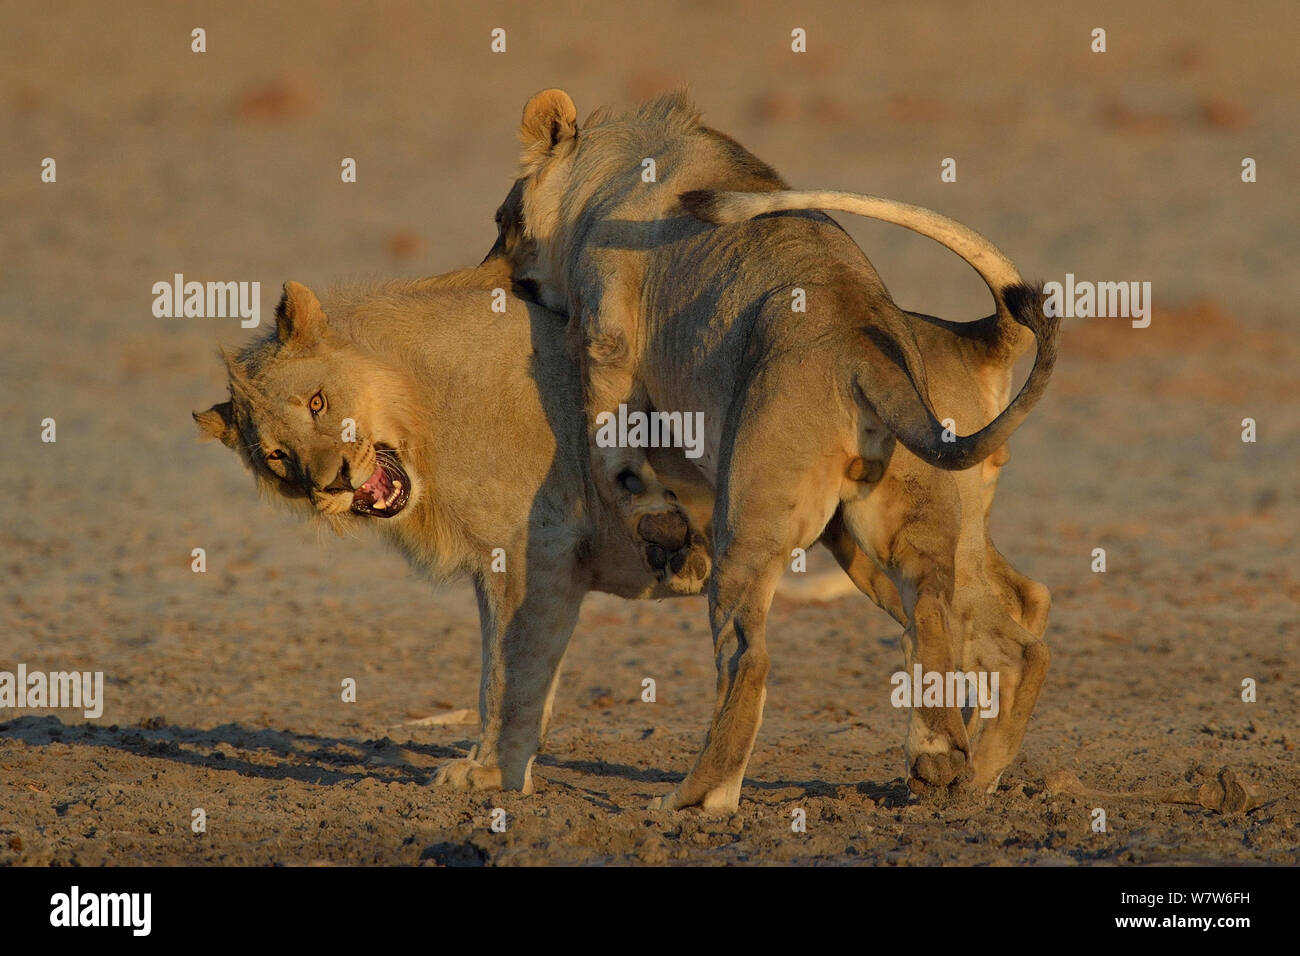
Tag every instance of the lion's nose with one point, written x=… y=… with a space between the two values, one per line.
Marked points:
x=342 y=480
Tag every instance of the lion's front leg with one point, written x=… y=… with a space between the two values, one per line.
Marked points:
x=526 y=615
x=917 y=550
x=999 y=645
x=670 y=547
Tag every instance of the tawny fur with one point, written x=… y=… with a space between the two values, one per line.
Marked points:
x=800 y=408
x=426 y=367
x=484 y=412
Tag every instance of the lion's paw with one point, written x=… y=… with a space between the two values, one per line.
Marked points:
x=934 y=774
x=667 y=802
x=676 y=553
x=717 y=800
x=466 y=773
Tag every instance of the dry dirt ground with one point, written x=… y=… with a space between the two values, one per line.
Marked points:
x=223 y=688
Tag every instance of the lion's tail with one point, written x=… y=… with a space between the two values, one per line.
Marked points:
x=1019 y=308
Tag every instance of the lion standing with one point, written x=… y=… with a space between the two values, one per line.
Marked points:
x=802 y=407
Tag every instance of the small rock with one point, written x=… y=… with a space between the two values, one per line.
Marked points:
x=1063 y=781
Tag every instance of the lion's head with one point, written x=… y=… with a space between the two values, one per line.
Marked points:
x=317 y=419
x=528 y=219
x=571 y=181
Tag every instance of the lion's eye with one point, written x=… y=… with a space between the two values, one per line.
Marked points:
x=276 y=455
x=317 y=403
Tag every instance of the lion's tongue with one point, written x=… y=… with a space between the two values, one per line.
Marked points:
x=376 y=488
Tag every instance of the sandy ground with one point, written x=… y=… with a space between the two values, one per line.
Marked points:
x=223 y=688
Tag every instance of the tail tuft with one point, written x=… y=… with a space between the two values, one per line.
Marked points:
x=1026 y=303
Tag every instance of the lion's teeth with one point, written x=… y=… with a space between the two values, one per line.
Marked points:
x=380 y=504
x=397 y=483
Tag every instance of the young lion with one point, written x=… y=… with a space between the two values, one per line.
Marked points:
x=779 y=330
x=435 y=393
x=411 y=364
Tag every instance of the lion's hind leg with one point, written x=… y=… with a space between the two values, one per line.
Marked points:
x=768 y=504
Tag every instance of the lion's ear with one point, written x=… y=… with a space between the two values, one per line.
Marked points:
x=298 y=317
x=550 y=118
x=218 y=422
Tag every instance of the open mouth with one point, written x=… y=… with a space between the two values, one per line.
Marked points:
x=385 y=492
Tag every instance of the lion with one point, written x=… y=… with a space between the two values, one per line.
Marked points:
x=430 y=393
x=408 y=360
x=780 y=331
